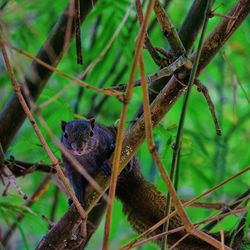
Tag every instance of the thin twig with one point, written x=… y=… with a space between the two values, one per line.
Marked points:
x=203 y=89
x=188 y=91
x=206 y=205
x=166 y=71
x=232 y=69
x=1 y=158
x=28 y=203
x=151 y=238
x=20 y=168
x=12 y=182
x=89 y=68
x=120 y=132
x=178 y=229
x=50 y=223
x=92 y=43
x=213 y=14
x=108 y=74
x=107 y=47
x=151 y=49
x=152 y=150
x=94 y=109
x=179 y=241
x=236 y=203
x=78 y=31
x=53 y=159
x=217 y=186
x=169 y=30
x=177 y=144
x=75 y=80
x=70 y=14
x=55 y=203
x=8 y=173
x=189 y=203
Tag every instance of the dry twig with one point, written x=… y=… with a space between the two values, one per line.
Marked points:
x=120 y=132
x=38 y=133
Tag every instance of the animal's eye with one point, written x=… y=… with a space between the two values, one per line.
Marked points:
x=66 y=135
x=91 y=133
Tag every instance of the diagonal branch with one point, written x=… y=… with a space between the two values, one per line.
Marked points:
x=74 y=80
x=169 y=30
x=38 y=133
x=20 y=168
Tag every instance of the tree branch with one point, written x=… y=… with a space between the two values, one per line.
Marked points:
x=20 y=168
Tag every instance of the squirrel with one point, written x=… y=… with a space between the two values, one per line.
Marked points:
x=92 y=144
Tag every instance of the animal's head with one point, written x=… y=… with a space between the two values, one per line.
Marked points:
x=78 y=136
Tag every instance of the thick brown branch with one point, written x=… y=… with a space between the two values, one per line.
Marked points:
x=223 y=32
x=169 y=30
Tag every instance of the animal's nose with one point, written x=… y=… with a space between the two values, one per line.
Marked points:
x=79 y=149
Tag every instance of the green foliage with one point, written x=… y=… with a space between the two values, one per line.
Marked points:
x=206 y=159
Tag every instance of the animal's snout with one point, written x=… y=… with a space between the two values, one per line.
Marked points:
x=79 y=149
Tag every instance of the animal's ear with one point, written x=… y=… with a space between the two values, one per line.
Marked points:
x=63 y=125
x=92 y=122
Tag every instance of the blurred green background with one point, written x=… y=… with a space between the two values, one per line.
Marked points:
x=206 y=159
